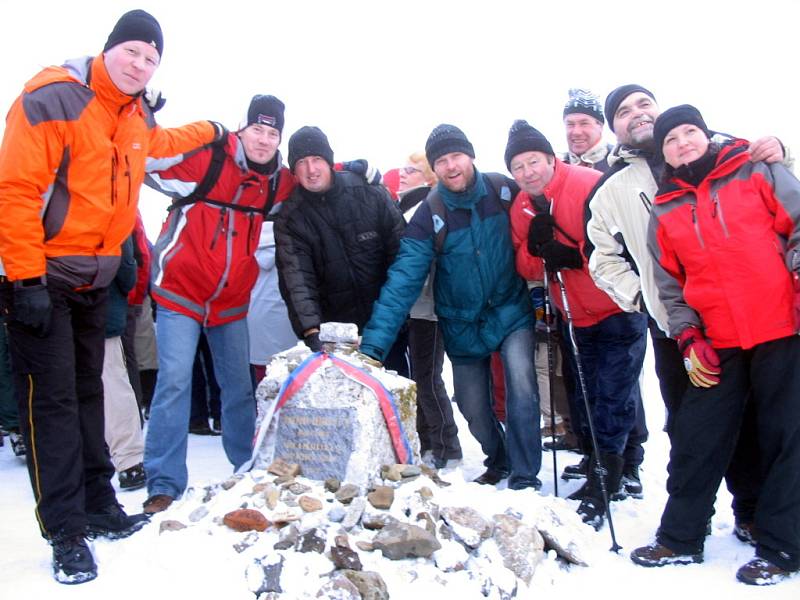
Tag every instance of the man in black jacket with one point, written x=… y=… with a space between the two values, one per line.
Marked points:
x=335 y=238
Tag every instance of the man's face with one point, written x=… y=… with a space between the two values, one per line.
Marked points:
x=633 y=121
x=583 y=132
x=532 y=171
x=314 y=174
x=260 y=142
x=455 y=171
x=130 y=65
x=684 y=144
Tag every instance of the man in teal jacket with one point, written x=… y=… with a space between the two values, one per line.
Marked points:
x=481 y=302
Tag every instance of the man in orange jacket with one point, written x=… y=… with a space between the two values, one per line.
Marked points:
x=71 y=164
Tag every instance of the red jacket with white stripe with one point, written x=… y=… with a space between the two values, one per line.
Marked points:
x=567 y=193
x=727 y=250
x=203 y=261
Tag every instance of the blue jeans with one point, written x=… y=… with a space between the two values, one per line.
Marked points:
x=517 y=450
x=165 y=445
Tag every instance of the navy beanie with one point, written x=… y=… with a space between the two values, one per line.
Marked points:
x=265 y=110
x=685 y=114
x=445 y=139
x=309 y=141
x=136 y=25
x=524 y=138
x=615 y=98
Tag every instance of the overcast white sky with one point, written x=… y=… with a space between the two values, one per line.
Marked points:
x=378 y=76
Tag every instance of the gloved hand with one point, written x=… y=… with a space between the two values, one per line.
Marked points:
x=32 y=306
x=361 y=167
x=558 y=256
x=540 y=231
x=699 y=358
x=313 y=342
x=154 y=99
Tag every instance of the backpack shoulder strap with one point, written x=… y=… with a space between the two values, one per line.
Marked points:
x=439 y=217
x=209 y=179
x=506 y=190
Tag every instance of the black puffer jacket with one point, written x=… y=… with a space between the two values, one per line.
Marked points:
x=333 y=251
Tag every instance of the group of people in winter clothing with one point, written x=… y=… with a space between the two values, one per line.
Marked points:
x=561 y=268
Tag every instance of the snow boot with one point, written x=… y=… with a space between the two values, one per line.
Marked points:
x=577 y=471
x=760 y=571
x=631 y=483
x=133 y=478
x=72 y=560
x=593 y=506
x=17 y=443
x=113 y=524
x=657 y=555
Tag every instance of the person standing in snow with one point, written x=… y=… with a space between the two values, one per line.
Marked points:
x=71 y=165
x=724 y=237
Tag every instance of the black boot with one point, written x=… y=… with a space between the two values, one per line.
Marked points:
x=72 y=560
x=593 y=505
x=113 y=523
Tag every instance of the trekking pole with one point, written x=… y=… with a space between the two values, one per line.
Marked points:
x=551 y=368
x=600 y=470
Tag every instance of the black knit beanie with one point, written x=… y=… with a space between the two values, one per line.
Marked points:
x=136 y=25
x=265 y=110
x=309 y=141
x=584 y=102
x=445 y=139
x=524 y=138
x=685 y=114
x=615 y=98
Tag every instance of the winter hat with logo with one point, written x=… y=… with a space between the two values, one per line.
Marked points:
x=584 y=102
x=524 y=138
x=136 y=25
x=265 y=110
x=615 y=98
x=309 y=141
x=685 y=114
x=445 y=139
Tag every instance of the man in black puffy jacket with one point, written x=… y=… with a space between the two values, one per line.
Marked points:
x=335 y=239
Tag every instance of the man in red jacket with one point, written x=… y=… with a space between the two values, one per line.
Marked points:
x=548 y=236
x=204 y=268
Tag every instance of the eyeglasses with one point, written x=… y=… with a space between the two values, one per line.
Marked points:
x=411 y=170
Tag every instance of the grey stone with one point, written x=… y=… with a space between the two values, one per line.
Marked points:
x=334 y=332
x=345 y=558
x=170 y=525
x=332 y=485
x=339 y=587
x=410 y=471
x=198 y=513
x=336 y=514
x=298 y=488
x=264 y=575
x=310 y=504
x=312 y=540
x=231 y=481
x=563 y=532
x=520 y=545
x=347 y=492
x=402 y=540
x=370 y=584
x=248 y=540
x=467 y=524
x=354 y=512
x=288 y=537
x=376 y=519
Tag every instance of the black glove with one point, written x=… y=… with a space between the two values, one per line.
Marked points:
x=32 y=306
x=313 y=342
x=559 y=256
x=361 y=167
x=154 y=99
x=540 y=232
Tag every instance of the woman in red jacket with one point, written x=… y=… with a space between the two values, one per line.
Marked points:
x=724 y=234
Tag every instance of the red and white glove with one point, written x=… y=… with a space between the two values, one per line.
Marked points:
x=699 y=358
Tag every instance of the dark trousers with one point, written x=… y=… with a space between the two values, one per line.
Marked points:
x=611 y=353
x=707 y=427
x=9 y=414
x=743 y=477
x=435 y=423
x=397 y=358
x=128 y=347
x=205 y=389
x=59 y=393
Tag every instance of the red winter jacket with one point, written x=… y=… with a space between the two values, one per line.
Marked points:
x=567 y=192
x=725 y=249
x=139 y=292
x=203 y=262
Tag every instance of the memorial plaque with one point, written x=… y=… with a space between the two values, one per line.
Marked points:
x=320 y=440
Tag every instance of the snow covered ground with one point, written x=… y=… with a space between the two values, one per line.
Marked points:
x=195 y=565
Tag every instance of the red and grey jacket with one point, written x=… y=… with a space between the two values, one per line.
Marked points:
x=567 y=193
x=143 y=260
x=726 y=251
x=203 y=261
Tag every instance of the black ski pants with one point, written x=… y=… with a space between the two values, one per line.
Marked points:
x=705 y=434
x=59 y=392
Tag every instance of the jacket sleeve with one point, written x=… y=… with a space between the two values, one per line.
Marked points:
x=296 y=275
x=608 y=266
x=172 y=141
x=393 y=225
x=781 y=194
x=528 y=266
x=30 y=156
x=670 y=280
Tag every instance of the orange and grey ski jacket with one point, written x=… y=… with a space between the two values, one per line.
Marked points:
x=71 y=165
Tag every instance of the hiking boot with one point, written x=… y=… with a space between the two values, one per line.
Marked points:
x=631 y=483
x=440 y=462
x=72 y=560
x=745 y=532
x=656 y=555
x=592 y=508
x=562 y=443
x=133 y=478
x=157 y=503
x=113 y=523
x=216 y=426
x=490 y=477
x=576 y=471
x=759 y=571
x=17 y=443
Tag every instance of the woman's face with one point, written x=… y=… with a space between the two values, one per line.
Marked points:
x=684 y=144
x=411 y=176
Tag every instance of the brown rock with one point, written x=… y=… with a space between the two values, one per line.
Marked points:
x=332 y=485
x=231 y=481
x=425 y=492
x=246 y=519
x=298 y=488
x=347 y=492
x=309 y=504
x=341 y=541
x=281 y=467
x=170 y=525
x=365 y=545
x=381 y=497
x=345 y=558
